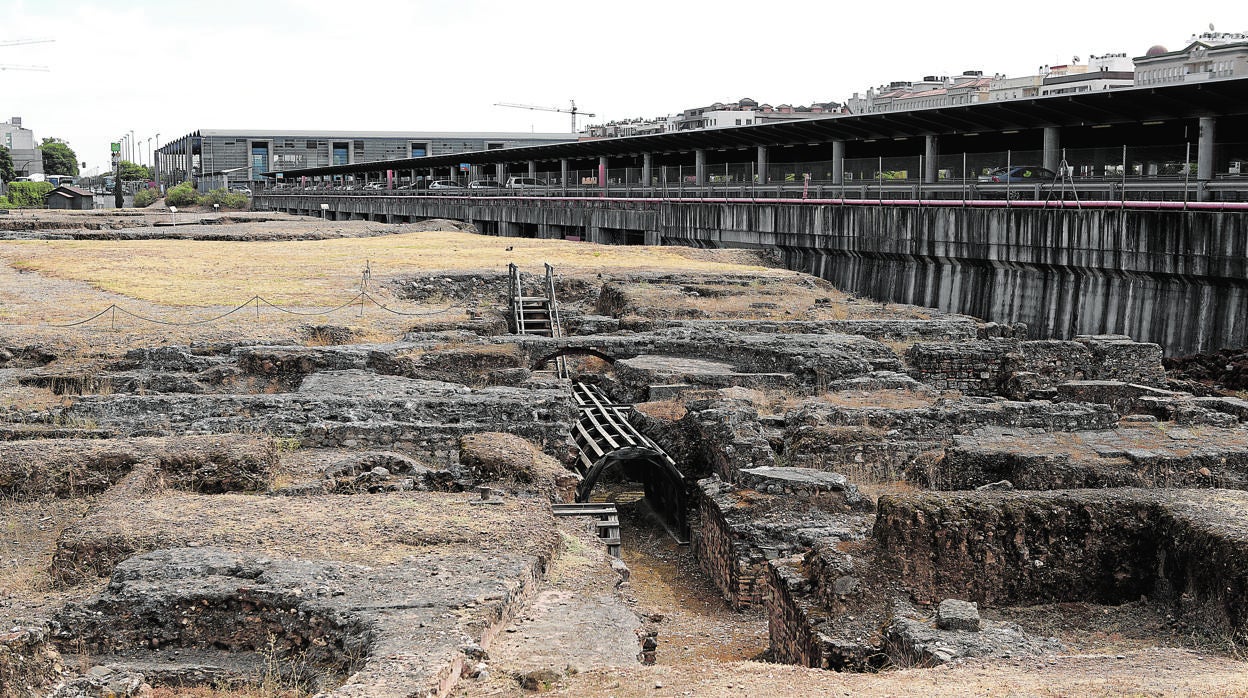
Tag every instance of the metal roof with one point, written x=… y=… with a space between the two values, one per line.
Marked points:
x=1228 y=97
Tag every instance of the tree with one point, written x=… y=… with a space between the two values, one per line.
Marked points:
x=58 y=157
x=6 y=165
x=132 y=172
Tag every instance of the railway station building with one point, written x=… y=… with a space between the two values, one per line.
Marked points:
x=213 y=157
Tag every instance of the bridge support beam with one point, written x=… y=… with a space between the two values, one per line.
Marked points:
x=931 y=159
x=563 y=172
x=602 y=172
x=1051 y=158
x=838 y=162
x=762 y=164
x=699 y=167
x=647 y=165
x=500 y=173
x=532 y=168
x=1205 y=153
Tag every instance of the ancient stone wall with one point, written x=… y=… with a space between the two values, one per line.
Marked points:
x=1186 y=547
x=986 y=367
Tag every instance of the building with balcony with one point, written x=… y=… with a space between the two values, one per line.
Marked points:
x=971 y=87
x=1208 y=56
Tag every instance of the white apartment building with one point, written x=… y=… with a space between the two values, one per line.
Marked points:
x=1107 y=72
x=27 y=158
x=1208 y=56
x=971 y=87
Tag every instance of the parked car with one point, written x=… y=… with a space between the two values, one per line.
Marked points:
x=373 y=186
x=446 y=185
x=526 y=183
x=241 y=190
x=484 y=184
x=1019 y=174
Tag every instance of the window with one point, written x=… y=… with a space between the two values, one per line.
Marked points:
x=418 y=149
x=341 y=154
x=495 y=145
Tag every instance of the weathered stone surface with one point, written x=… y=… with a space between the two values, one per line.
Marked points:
x=1143 y=455
x=499 y=458
x=379 y=528
x=351 y=409
x=985 y=367
x=911 y=641
x=1188 y=548
x=385 y=628
x=954 y=614
x=740 y=529
x=73 y=467
x=640 y=372
x=29 y=663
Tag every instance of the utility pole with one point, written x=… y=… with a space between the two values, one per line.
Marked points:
x=119 y=197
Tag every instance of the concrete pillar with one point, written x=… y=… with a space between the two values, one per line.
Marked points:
x=1052 y=158
x=931 y=159
x=453 y=173
x=532 y=168
x=762 y=164
x=699 y=167
x=563 y=172
x=1204 y=149
x=602 y=171
x=475 y=172
x=647 y=167
x=838 y=162
x=500 y=173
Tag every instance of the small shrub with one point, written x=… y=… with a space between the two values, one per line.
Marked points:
x=4 y=202
x=225 y=199
x=145 y=197
x=29 y=194
x=182 y=195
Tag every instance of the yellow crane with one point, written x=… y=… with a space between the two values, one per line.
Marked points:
x=570 y=110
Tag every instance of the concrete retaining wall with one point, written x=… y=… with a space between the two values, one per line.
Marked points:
x=1177 y=278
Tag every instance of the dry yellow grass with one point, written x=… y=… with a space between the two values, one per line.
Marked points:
x=313 y=273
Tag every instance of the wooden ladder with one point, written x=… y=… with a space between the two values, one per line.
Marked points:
x=536 y=315
x=608 y=521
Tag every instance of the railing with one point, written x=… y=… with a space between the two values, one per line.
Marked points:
x=1227 y=189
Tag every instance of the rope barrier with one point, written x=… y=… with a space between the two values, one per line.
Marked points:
x=257 y=301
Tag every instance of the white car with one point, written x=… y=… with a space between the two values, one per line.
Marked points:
x=446 y=185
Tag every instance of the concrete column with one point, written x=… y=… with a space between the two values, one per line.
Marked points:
x=532 y=168
x=1052 y=158
x=602 y=171
x=454 y=172
x=699 y=167
x=931 y=159
x=647 y=167
x=838 y=162
x=563 y=172
x=1204 y=149
x=475 y=172
x=762 y=164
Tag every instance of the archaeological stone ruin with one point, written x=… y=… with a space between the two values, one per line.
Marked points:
x=882 y=486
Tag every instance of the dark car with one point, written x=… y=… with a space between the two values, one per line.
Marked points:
x=1020 y=174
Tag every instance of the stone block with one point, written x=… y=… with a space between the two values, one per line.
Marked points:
x=954 y=614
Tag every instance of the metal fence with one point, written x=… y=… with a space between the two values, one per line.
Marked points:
x=1157 y=172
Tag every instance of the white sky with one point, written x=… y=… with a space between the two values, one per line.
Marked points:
x=440 y=65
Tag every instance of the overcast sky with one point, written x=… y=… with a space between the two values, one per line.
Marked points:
x=173 y=66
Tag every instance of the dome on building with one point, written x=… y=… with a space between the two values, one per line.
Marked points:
x=1157 y=50
x=747 y=102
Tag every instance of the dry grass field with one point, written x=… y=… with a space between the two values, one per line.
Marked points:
x=195 y=273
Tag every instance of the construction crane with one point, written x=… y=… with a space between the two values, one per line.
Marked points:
x=571 y=110
x=24 y=42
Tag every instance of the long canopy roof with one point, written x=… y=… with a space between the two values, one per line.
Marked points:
x=1119 y=106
